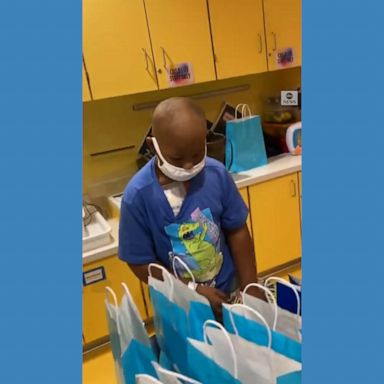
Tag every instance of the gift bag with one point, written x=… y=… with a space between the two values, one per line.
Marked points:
x=131 y=347
x=245 y=148
x=147 y=379
x=228 y=358
x=278 y=318
x=169 y=377
x=286 y=294
x=241 y=320
x=179 y=312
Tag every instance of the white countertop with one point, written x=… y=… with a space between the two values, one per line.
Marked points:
x=277 y=166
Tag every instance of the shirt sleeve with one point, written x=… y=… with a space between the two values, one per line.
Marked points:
x=135 y=240
x=235 y=212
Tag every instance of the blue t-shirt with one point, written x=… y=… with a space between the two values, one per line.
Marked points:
x=150 y=232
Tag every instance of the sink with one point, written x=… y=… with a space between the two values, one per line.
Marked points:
x=239 y=176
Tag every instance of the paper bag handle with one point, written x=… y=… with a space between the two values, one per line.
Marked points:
x=109 y=290
x=185 y=266
x=269 y=294
x=288 y=284
x=226 y=335
x=166 y=275
x=254 y=312
x=244 y=108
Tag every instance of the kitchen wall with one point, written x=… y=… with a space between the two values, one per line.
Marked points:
x=112 y=123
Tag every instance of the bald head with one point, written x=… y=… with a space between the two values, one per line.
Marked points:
x=180 y=128
x=178 y=117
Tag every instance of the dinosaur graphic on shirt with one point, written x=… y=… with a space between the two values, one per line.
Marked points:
x=197 y=244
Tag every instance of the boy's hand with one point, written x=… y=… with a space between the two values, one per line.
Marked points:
x=215 y=297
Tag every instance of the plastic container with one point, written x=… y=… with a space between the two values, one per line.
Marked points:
x=97 y=233
x=293 y=138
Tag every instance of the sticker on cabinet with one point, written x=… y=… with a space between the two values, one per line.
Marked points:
x=180 y=74
x=93 y=276
x=285 y=57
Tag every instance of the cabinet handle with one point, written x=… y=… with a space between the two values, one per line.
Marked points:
x=260 y=43
x=147 y=58
x=293 y=189
x=274 y=41
x=164 y=59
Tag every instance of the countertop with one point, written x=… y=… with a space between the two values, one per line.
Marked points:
x=277 y=166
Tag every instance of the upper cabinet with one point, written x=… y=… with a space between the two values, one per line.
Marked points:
x=180 y=34
x=238 y=37
x=134 y=46
x=117 y=48
x=283 y=31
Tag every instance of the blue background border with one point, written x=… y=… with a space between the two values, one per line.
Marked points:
x=40 y=187
x=40 y=170
x=343 y=192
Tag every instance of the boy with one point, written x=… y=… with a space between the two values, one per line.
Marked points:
x=185 y=204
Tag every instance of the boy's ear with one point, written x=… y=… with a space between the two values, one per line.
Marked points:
x=150 y=144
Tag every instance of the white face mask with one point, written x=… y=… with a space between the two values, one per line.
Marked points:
x=177 y=173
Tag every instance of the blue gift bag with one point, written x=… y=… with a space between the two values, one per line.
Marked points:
x=131 y=347
x=252 y=330
x=179 y=313
x=229 y=358
x=245 y=148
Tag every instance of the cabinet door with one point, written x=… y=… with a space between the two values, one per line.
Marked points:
x=238 y=37
x=86 y=93
x=276 y=221
x=180 y=33
x=244 y=195
x=117 y=48
x=300 y=193
x=115 y=272
x=283 y=29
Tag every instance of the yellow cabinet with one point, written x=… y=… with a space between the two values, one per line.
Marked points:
x=96 y=276
x=147 y=300
x=117 y=48
x=300 y=192
x=238 y=37
x=180 y=33
x=283 y=30
x=86 y=93
x=244 y=195
x=275 y=216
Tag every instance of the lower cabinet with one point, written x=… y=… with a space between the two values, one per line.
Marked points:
x=109 y=272
x=244 y=195
x=276 y=226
